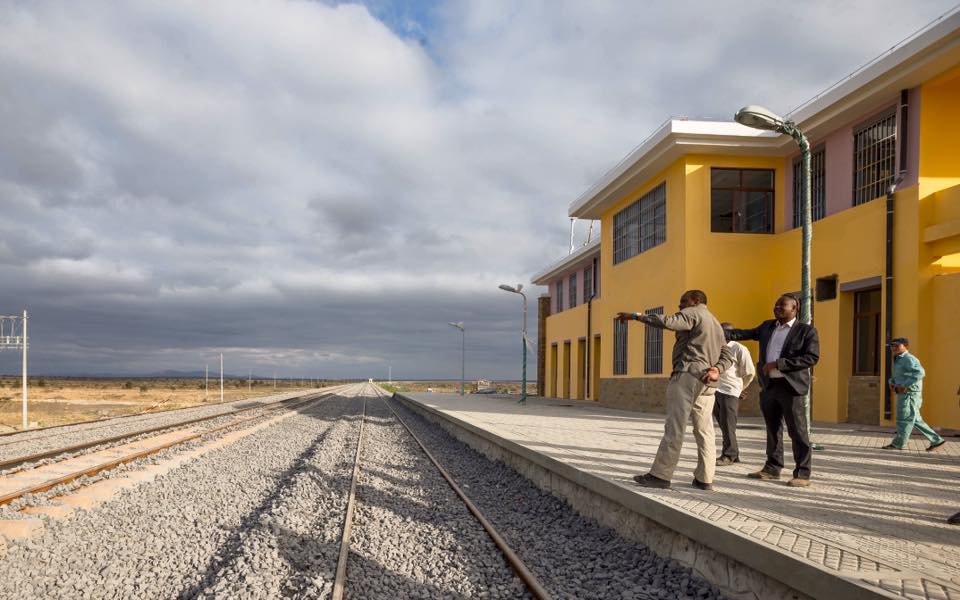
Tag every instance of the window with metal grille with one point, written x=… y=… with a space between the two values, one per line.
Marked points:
x=653 y=345
x=573 y=290
x=818 y=187
x=619 y=347
x=741 y=200
x=640 y=226
x=588 y=291
x=560 y=295
x=866 y=332
x=874 y=158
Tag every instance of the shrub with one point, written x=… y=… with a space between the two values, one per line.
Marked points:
x=143 y=389
x=128 y=385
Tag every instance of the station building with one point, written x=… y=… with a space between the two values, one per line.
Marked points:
x=713 y=206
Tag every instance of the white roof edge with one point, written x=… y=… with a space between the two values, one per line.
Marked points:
x=915 y=44
x=543 y=277
x=709 y=132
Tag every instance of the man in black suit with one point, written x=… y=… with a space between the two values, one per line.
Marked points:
x=788 y=349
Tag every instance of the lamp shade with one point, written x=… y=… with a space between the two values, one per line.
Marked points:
x=759 y=117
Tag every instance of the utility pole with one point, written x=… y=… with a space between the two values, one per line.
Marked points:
x=221 y=377
x=250 y=380
x=206 y=381
x=24 y=383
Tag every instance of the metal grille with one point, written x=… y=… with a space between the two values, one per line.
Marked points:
x=588 y=290
x=640 y=226
x=653 y=346
x=560 y=295
x=818 y=187
x=619 y=347
x=874 y=158
x=573 y=290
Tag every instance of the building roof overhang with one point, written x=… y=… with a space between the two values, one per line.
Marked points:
x=558 y=268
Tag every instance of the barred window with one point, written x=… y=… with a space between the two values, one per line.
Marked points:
x=559 y=295
x=640 y=226
x=741 y=200
x=573 y=290
x=874 y=156
x=818 y=187
x=653 y=345
x=619 y=347
x=588 y=290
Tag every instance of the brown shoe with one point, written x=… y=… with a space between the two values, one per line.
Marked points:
x=799 y=482
x=764 y=475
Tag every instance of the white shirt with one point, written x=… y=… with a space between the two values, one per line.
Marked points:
x=741 y=372
x=775 y=346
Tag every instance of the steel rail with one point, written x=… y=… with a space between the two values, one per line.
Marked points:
x=51 y=483
x=21 y=460
x=515 y=561
x=340 y=577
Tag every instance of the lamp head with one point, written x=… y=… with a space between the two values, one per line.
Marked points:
x=759 y=117
x=458 y=325
x=507 y=288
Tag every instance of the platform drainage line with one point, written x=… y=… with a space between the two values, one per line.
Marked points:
x=341 y=575
x=518 y=565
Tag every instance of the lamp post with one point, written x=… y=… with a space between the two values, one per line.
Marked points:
x=463 y=350
x=759 y=117
x=517 y=290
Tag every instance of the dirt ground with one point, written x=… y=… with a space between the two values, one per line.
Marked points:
x=56 y=401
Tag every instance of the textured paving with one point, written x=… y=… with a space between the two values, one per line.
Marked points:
x=874 y=516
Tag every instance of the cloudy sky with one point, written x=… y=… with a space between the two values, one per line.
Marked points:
x=317 y=188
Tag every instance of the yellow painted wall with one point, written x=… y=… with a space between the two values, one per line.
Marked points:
x=941 y=388
x=566 y=326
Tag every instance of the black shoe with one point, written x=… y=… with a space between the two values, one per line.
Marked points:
x=892 y=447
x=955 y=519
x=703 y=486
x=650 y=481
x=726 y=461
x=933 y=447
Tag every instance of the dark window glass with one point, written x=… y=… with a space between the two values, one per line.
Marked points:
x=640 y=226
x=588 y=291
x=573 y=290
x=619 y=347
x=741 y=200
x=866 y=333
x=560 y=295
x=874 y=157
x=818 y=187
x=653 y=345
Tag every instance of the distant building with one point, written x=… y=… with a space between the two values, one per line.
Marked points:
x=712 y=205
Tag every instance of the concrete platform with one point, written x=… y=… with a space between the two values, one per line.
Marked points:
x=871 y=526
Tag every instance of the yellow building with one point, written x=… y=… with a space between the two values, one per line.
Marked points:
x=711 y=205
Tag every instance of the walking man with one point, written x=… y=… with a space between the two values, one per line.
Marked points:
x=907 y=384
x=788 y=349
x=700 y=354
x=730 y=390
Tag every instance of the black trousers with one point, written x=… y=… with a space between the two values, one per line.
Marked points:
x=779 y=403
x=725 y=409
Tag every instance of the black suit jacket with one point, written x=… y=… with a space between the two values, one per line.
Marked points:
x=801 y=350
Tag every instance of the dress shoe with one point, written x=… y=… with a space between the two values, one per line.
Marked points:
x=726 y=461
x=701 y=485
x=764 y=475
x=650 y=481
x=799 y=482
x=955 y=519
x=892 y=447
x=935 y=445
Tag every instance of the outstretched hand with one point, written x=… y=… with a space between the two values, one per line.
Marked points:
x=624 y=316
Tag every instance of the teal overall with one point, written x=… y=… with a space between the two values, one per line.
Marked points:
x=908 y=372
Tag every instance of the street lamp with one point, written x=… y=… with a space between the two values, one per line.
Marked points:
x=516 y=290
x=759 y=117
x=463 y=350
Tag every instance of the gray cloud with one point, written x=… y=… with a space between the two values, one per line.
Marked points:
x=318 y=188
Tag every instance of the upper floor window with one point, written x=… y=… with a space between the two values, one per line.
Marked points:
x=559 y=295
x=741 y=200
x=640 y=226
x=573 y=290
x=653 y=345
x=818 y=187
x=619 y=347
x=874 y=157
x=588 y=290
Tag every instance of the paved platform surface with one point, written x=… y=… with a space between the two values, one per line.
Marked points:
x=872 y=515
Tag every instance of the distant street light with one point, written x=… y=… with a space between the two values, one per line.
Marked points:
x=463 y=350
x=517 y=290
x=759 y=117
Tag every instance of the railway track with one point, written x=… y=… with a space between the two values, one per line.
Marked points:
x=43 y=471
x=341 y=580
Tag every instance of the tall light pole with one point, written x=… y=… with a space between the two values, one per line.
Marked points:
x=463 y=351
x=759 y=117
x=517 y=290
x=221 y=377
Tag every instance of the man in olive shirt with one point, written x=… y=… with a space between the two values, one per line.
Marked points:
x=700 y=354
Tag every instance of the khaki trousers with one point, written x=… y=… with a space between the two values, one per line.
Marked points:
x=687 y=398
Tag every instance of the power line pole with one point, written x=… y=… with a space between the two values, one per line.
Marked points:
x=221 y=377
x=24 y=390
x=206 y=381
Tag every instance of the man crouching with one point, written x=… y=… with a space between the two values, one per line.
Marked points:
x=700 y=354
